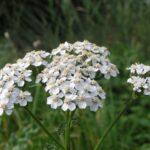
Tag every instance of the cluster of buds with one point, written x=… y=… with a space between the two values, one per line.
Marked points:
x=139 y=78
x=14 y=76
x=70 y=77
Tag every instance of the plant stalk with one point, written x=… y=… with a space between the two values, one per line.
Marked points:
x=67 y=130
x=44 y=129
x=99 y=144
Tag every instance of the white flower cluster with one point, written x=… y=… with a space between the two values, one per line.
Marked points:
x=139 y=78
x=93 y=57
x=14 y=76
x=69 y=78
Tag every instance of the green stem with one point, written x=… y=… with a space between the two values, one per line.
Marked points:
x=37 y=91
x=106 y=132
x=35 y=98
x=18 y=119
x=44 y=129
x=67 y=131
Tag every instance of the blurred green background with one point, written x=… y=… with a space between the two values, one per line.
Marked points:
x=122 y=26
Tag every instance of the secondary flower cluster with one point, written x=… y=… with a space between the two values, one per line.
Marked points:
x=13 y=78
x=139 y=78
x=69 y=78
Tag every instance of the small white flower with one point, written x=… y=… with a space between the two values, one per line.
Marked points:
x=147 y=91
x=52 y=88
x=138 y=80
x=109 y=70
x=3 y=104
x=54 y=101
x=24 y=98
x=139 y=69
x=81 y=102
x=35 y=58
x=90 y=72
x=22 y=76
x=68 y=105
x=95 y=104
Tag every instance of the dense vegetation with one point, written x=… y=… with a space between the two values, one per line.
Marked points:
x=122 y=26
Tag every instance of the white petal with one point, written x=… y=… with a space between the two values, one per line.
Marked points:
x=59 y=102
x=30 y=99
x=54 y=105
x=47 y=88
x=49 y=100
x=38 y=79
x=54 y=90
x=92 y=88
x=146 y=92
x=23 y=103
x=107 y=76
x=82 y=104
x=37 y=63
x=72 y=106
x=79 y=87
x=45 y=79
x=8 y=111
x=94 y=107
x=71 y=96
x=102 y=95
x=28 y=79
x=45 y=63
x=64 y=107
x=21 y=83
x=44 y=55
x=1 y=111
x=27 y=93
x=114 y=73
x=60 y=95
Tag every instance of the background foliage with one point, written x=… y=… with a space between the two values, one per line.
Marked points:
x=122 y=26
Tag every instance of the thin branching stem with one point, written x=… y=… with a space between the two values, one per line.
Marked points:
x=69 y=116
x=107 y=131
x=44 y=129
x=67 y=130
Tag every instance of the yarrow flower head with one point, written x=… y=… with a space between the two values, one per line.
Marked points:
x=14 y=76
x=70 y=77
x=94 y=58
x=140 y=78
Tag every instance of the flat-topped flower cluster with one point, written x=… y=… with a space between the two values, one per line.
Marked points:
x=140 y=78
x=90 y=57
x=13 y=78
x=68 y=76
